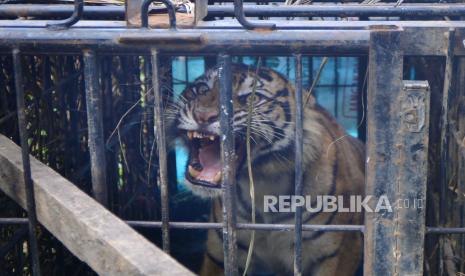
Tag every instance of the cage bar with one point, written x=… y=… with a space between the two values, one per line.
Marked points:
x=161 y=146
x=94 y=104
x=343 y=10
x=299 y=116
x=228 y=172
x=29 y=187
x=397 y=145
x=382 y=150
x=444 y=145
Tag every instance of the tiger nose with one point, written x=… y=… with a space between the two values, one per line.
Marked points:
x=206 y=116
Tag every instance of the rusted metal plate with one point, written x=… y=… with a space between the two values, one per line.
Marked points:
x=418 y=41
x=410 y=203
x=397 y=148
x=383 y=124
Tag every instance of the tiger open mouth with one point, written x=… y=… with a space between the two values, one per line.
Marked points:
x=204 y=163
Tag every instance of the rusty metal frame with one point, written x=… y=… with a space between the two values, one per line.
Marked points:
x=390 y=137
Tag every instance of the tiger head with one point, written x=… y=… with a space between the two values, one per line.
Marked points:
x=197 y=121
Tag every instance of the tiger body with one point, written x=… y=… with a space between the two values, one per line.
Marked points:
x=331 y=166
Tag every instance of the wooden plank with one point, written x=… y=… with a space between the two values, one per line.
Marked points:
x=89 y=231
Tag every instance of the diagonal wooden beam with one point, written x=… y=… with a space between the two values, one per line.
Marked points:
x=92 y=233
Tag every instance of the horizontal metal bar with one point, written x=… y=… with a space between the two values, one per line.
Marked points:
x=235 y=41
x=249 y=226
x=109 y=12
x=257 y=226
x=417 y=10
x=7 y=221
x=445 y=230
x=331 y=1
x=310 y=37
x=305 y=227
x=59 y=11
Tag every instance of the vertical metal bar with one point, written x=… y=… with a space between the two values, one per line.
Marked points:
x=384 y=88
x=298 y=164
x=444 y=146
x=161 y=145
x=228 y=170
x=460 y=90
x=336 y=88
x=397 y=148
x=29 y=187
x=96 y=143
x=412 y=161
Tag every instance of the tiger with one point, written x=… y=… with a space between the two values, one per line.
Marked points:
x=333 y=164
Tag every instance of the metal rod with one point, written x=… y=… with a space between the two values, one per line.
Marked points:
x=29 y=187
x=161 y=146
x=180 y=42
x=298 y=164
x=257 y=226
x=42 y=11
x=329 y=1
x=75 y=17
x=8 y=221
x=444 y=145
x=228 y=171
x=238 y=12
x=94 y=104
x=144 y=13
x=240 y=226
x=343 y=10
x=445 y=230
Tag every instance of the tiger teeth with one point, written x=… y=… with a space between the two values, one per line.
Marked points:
x=195 y=134
x=217 y=178
x=193 y=172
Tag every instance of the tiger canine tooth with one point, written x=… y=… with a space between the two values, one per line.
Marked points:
x=190 y=134
x=212 y=137
x=193 y=172
x=217 y=178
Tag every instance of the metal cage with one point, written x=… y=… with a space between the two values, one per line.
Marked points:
x=397 y=133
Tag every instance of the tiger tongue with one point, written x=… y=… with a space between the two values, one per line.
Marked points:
x=210 y=159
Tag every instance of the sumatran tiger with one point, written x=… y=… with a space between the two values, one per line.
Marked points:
x=333 y=164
